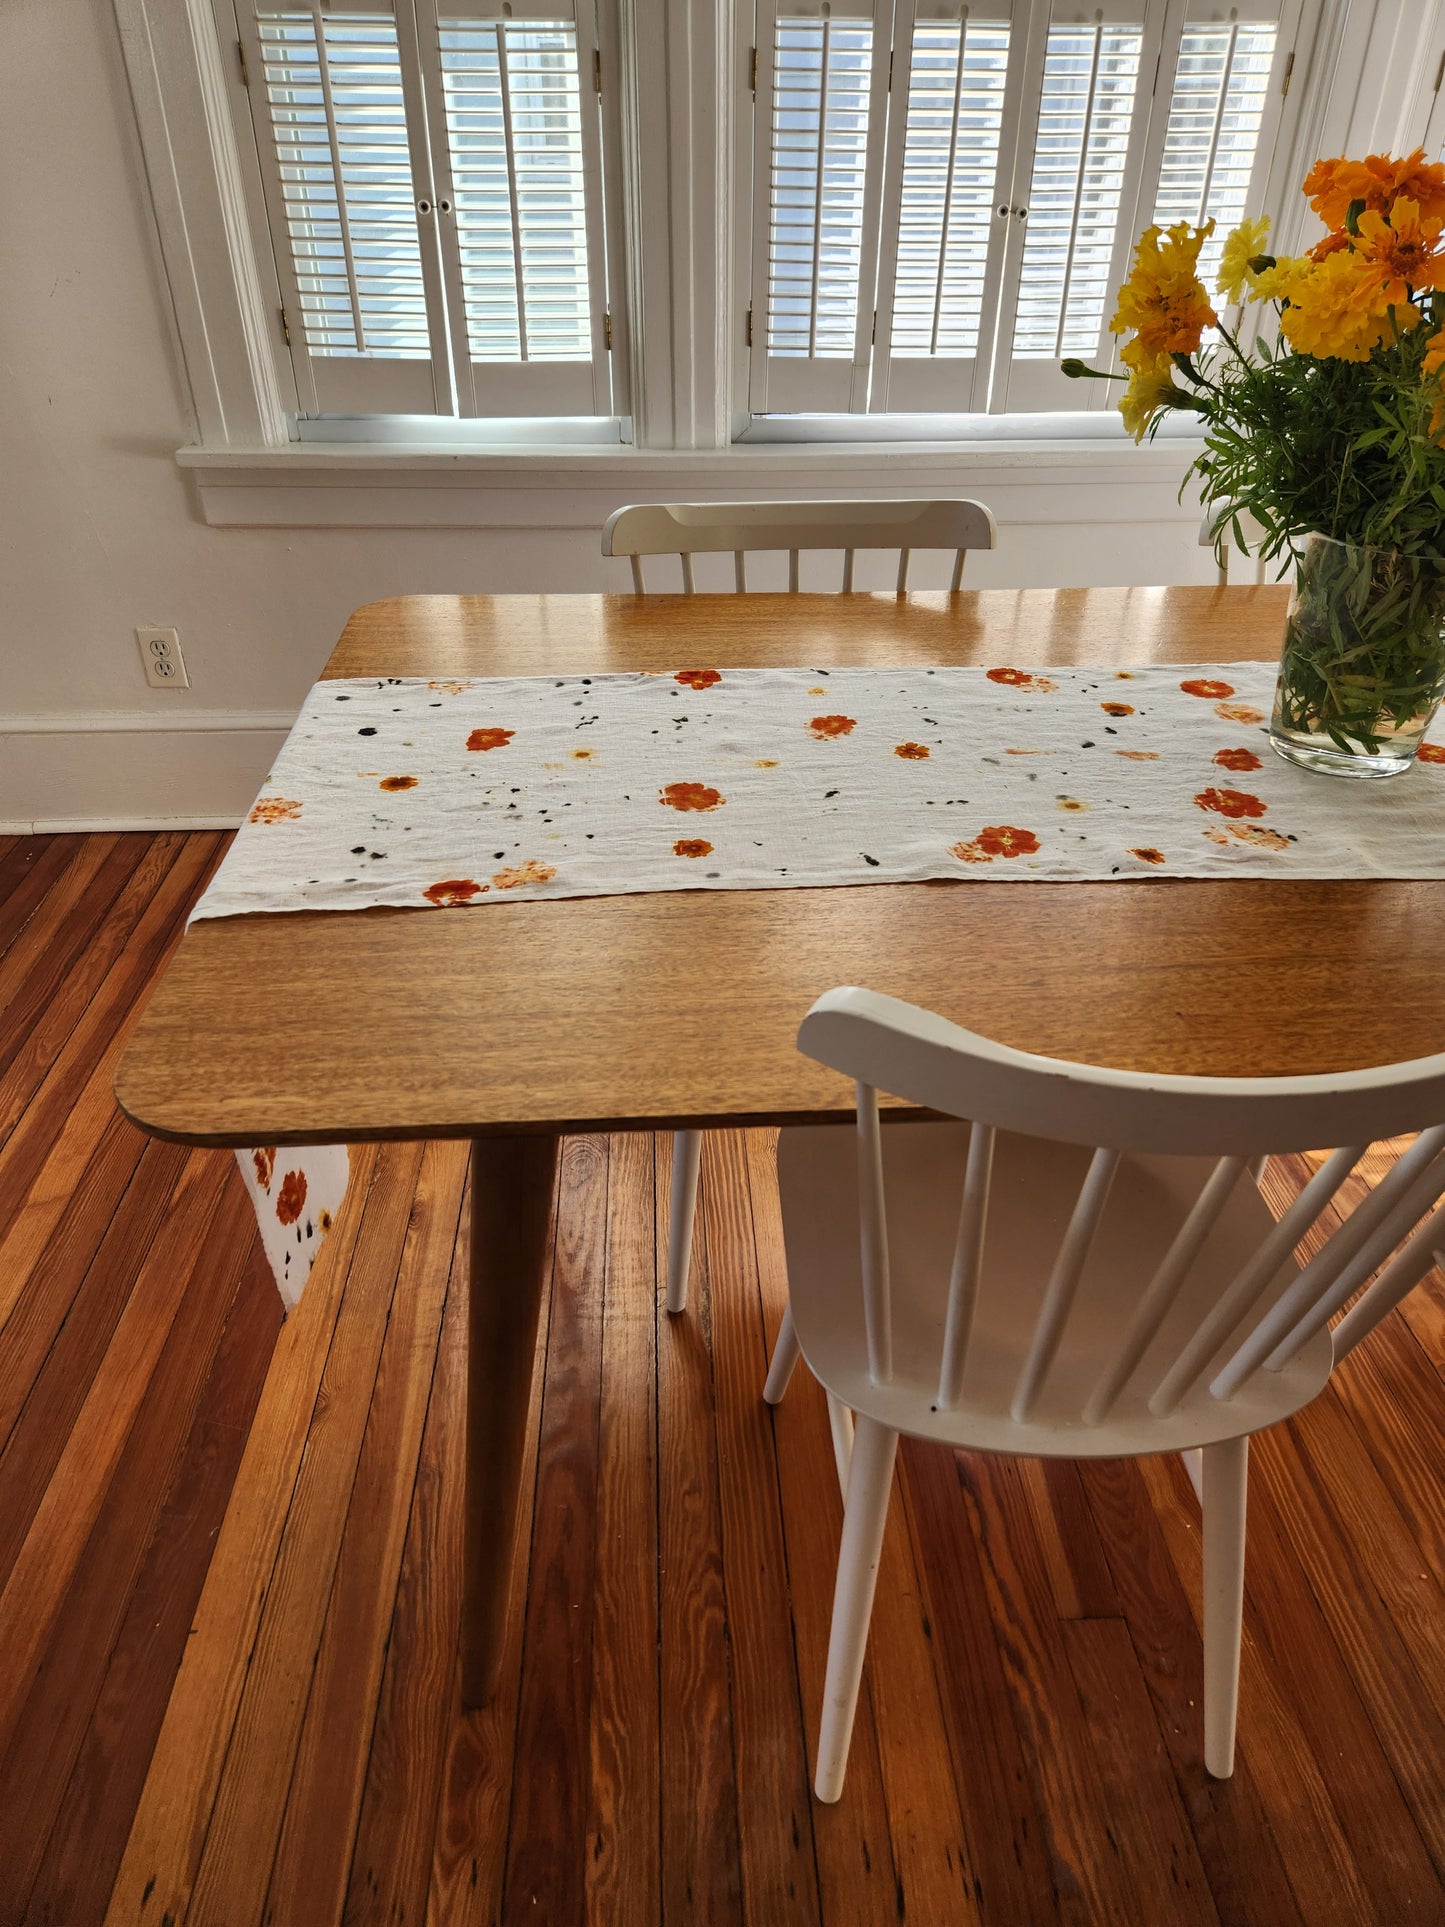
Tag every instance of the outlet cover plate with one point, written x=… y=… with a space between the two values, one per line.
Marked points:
x=160 y=651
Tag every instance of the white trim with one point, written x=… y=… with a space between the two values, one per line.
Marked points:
x=105 y=722
x=77 y=825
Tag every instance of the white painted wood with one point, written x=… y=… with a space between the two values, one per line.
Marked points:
x=1107 y=1287
x=1220 y=522
x=865 y=1515
x=840 y=1423
x=1194 y=1466
x=1224 y=1487
x=682 y=1213
x=785 y=1357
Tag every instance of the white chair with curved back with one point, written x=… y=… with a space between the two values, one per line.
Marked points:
x=1219 y=522
x=1007 y=1285
x=686 y=529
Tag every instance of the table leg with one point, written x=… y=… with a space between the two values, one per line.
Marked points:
x=512 y=1181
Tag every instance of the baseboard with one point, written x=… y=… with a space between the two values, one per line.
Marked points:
x=133 y=771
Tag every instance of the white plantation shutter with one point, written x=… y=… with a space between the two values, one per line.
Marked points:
x=434 y=189
x=1025 y=143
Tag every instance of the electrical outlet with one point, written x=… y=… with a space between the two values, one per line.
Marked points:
x=160 y=651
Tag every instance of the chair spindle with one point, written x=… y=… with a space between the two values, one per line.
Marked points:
x=687 y=582
x=1064 y=1283
x=967 y=1263
x=903 y=560
x=639 y=586
x=848 y=571
x=1401 y=1275
x=874 y=1226
x=740 y=570
x=793 y=571
x=957 y=581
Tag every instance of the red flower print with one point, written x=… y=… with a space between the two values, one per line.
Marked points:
x=912 y=752
x=1202 y=686
x=1430 y=753
x=265 y=1163
x=827 y=727
x=529 y=872
x=453 y=891
x=1117 y=709
x=1021 y=679
x=490 y=738
x=397 y=783
x=1230 y=802
x=1000 y=839
x=291 y=1199
x=697 y=678
x=273 y=809
x=690 y=796
x=1239 y=712
x=1238 y=759
x=1148 y=854
x=692 y=846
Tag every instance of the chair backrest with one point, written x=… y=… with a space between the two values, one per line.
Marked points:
x=1217 y=527
x=884 y=1044
x=685 y=529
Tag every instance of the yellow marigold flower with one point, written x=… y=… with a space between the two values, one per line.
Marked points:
x=1379 y=181
x=1434 y=355
x=1242 y=247
x=1324 y=319
x=1277 y=283
x=1150 y=390
x=1164 y=301
x=1397 y=256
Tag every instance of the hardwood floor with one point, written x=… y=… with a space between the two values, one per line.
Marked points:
x=230 y=1565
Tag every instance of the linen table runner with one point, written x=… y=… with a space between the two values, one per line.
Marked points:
x=444 y=793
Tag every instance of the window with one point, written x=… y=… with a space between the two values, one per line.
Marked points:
x=436 y=198
x=946 y=197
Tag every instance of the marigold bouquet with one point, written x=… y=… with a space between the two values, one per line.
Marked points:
x=1334 y=428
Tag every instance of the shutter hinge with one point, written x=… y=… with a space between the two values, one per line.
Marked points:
x=1288 y=70
x=597 y=72
x=285 y=328
x=748 y=335
x=890 y=70
x=874 y=336
x=753 y=73
x=241 y=57
x=1439 y=74
x=1158 y=63
x=607 y=331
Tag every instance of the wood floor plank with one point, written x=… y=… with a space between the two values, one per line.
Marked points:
x=26 y=875
x=89 y=1832
x=313 y=1860
x=701 y=1872
x=250 y=1801
x=173 y=1816
x=68 y=1677
x=545 y=1876
x=623 y=1870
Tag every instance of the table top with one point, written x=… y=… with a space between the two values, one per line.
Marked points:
x=682 y=1008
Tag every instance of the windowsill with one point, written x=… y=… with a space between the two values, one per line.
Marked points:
x=370 y=485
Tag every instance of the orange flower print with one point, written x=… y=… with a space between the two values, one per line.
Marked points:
x=697 y=678
x=1258 y=835
x=454 y=890
x=692 y=846
x=397 y=783
x=690 y=796
x=1000 y=839
x=912 y=752
x=291 y=1199
x=1117 y=709
x=323 y=1222
x=1230 y=802
x=529 y=872
x=1239 y=712
x=264 y=1160
x=584 y=756
x=1430 y=753
x=825 y=728
x=1148 y=854
x=1071 y=803
x=1021 y=679
x=1202 y=686
x=1138 y=755
x=273 y=809
x=449 y=687
x=1238 y=759
x=490 y=738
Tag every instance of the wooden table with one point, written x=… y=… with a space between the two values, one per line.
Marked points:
x=515 y=1023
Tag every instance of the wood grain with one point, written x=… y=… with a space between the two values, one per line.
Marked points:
x=692 y=1000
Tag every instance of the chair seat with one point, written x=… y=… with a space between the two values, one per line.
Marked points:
x=1034 y=1183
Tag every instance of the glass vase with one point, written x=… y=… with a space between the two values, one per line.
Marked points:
x=1363 y=666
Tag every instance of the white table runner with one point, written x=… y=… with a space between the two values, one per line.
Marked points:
x=428 y=794
x=438 y=794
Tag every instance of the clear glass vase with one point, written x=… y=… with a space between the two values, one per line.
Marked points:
x=1363 y=666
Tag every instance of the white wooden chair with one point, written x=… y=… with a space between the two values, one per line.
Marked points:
x=1029 y=1292
x=686 y=529
x=1216 y=518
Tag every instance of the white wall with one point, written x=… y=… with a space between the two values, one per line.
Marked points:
x=100 y=530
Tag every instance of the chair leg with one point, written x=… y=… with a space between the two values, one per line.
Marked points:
x=1226 y=1479
x=870 y=1482
x=840 y=1420
x=686 y=1150
x=785 y=1357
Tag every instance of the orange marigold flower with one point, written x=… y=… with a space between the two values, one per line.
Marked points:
x=912 y=752
x=1021 y=679
x=264 y=1159
x=1230 y=802
x=692 y=846
x=1239 y=713
x=1148 y=854
x=1117 y=709
x=1202 y=686
x=827 y=727
x=1164 y=302
x=999 y=839
x=691 y=796
x=529 y=872
x=490 y=738
x=291 y=1199
x=274 y=809
x=1332 y=243
x=697 y=678
x=1430 y=753
x=454 y=890
x=1238 y=759
x=397 y=783
x=1379 y=180
x=1399 y=256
